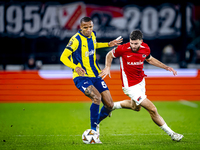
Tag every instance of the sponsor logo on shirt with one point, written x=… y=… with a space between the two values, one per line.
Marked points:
x=89 y=53
x=135 y=63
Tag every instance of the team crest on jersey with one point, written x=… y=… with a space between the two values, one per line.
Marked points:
x=144 y=55
x=70 y=43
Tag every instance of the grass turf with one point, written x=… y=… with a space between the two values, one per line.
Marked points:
x=60 y=126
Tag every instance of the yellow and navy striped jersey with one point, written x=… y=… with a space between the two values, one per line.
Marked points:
x=81 y=52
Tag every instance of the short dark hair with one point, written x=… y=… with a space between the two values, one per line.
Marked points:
x=85 y=19
x=136 y=35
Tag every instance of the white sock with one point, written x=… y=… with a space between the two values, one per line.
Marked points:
x=116 y=105
x=166 y=129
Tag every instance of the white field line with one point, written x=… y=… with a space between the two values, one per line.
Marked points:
x=187 y=103
x=110 y=134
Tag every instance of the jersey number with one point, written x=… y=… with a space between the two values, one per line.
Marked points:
x=104 y=84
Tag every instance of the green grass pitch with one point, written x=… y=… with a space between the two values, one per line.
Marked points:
x=59 y=126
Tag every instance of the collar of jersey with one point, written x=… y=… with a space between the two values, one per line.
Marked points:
x=84 y=35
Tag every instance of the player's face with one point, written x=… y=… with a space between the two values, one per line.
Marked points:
x=86 y=28
x=135 y=44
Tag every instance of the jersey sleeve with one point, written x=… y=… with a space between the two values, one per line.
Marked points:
x=69 y=49
x=72 y=45
x=101 y=45
x=65 y=59
x=117 y=52
x=148 y=52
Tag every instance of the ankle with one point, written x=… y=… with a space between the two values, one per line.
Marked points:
x=117 y=105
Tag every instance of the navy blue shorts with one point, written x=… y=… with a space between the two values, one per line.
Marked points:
x=83 y=82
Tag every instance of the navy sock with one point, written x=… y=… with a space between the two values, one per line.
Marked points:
x=103 y=114
x=94 y=113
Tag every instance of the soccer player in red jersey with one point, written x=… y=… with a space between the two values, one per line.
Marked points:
x=132 y=56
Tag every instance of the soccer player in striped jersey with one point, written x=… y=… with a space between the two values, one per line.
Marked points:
x=80 y=56
x=132 y=56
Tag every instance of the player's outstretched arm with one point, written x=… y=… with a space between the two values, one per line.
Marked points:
x=106 y=70
x=153 y=61
x=115 y=42
x=171 y=70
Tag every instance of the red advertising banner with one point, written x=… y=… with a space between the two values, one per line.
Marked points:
x=58 y=86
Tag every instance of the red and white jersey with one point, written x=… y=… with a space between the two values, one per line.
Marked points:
x=131 y=63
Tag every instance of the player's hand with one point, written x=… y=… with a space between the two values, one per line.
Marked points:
x=115 y=42
x=171 y=70
x=80 y=71
x=105 y=72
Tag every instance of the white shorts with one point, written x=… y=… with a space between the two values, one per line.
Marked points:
x=136 y=92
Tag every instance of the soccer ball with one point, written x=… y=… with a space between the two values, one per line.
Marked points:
x=90 y=136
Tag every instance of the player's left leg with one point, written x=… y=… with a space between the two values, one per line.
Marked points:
x=105 y=98
x=137 y=94
x=108 y=105
x=150 y=107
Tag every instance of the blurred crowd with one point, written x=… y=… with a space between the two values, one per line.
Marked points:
x=33 y=53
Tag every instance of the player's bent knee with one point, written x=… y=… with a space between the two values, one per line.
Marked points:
x=109 y=105
x=96 y=99
x=153 y=111
x=138 y=108
x=107 y=99
x=134 y=106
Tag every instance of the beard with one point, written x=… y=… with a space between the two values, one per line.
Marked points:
x=135 y=50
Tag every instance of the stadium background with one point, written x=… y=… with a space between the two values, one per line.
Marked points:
x=39 y=30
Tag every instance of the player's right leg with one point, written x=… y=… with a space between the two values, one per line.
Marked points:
x=86 y=86
x=126 y=104
x=137 y=95
x=95 y=96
